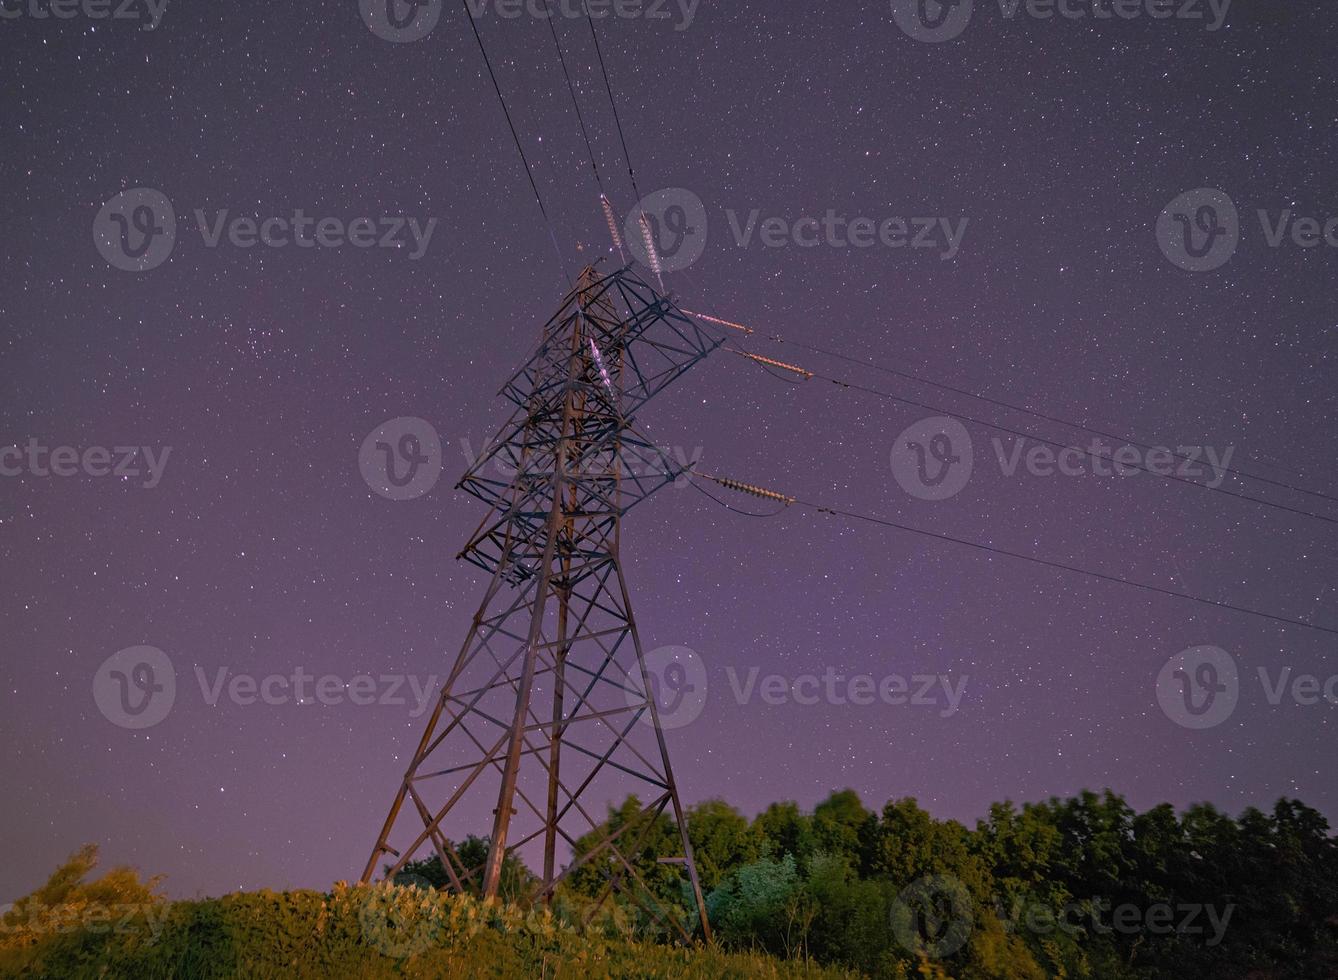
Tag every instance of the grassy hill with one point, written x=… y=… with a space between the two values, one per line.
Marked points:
x=352 y=932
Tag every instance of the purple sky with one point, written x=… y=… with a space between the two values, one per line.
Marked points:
x=262 y=549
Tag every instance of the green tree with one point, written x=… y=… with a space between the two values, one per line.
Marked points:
x=658 y=837
x=786 y=830
x=750 y=907
x=840 y=823
x=515 y=884
x=722 y=840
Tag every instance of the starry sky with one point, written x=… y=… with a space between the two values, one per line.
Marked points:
x=263 y=550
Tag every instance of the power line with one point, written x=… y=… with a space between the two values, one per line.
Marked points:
x=613 y=104
x=1068 y=568
x=1064 y=447
x=1048 y=563
x=647 y=235
x=604 y=201
x=576 y=103
x=516 y=137
x=1028 y=411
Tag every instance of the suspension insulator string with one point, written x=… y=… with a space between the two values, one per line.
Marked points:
x=612 y=219
x=792 y=368
x=747 y=488
x=651 y=252
x=723 y=323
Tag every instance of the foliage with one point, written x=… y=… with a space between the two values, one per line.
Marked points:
x=375 y=931
x=1075 y=888
x=515 y=881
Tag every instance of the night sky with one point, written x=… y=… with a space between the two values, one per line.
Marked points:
x=262 y=549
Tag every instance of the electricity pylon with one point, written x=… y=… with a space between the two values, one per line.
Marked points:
x=549 y=707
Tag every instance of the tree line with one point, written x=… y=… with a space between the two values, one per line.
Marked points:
x=1079 y=887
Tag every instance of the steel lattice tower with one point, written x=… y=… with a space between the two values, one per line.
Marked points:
x=549 y=706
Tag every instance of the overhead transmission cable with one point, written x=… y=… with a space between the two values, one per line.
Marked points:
x=529 y=173
x=652 y=253
x=1049 y=418
x=604 y=201
x=787 y=501
x=1091 y=430
x=1064 y=447
x=1024 y=434
x=993 y=549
